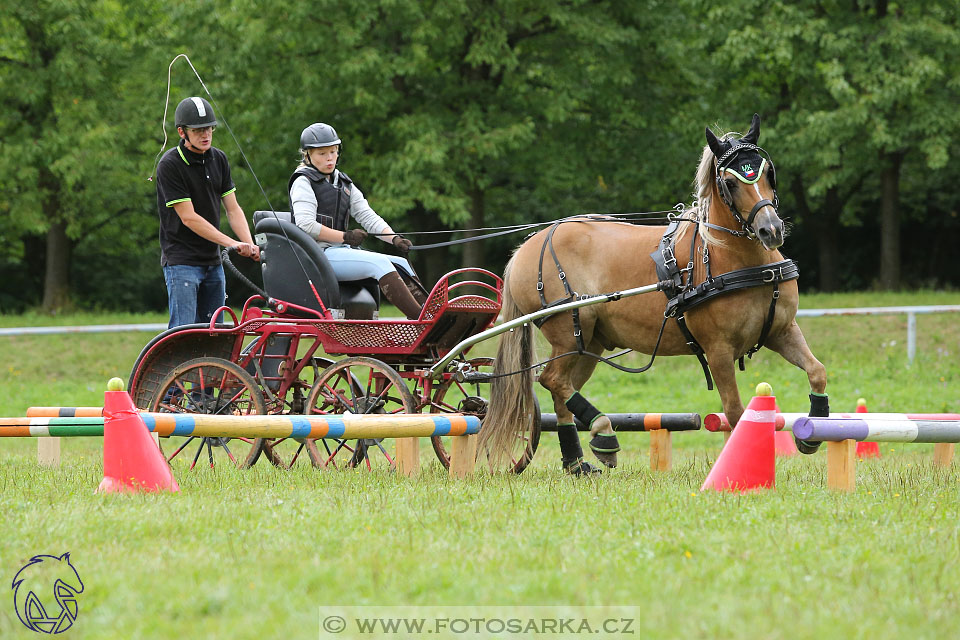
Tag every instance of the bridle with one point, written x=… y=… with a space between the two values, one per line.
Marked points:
x=723 y=166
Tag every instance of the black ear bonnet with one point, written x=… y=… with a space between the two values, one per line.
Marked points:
x=747 y=162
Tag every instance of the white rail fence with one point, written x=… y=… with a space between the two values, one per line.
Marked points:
x=911 y=312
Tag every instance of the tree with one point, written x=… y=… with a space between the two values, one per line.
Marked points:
x=71 y=137
x=855 y=89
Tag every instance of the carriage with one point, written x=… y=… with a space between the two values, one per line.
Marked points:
x=307 y=344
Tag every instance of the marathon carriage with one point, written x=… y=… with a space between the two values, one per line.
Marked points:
x=274 y=358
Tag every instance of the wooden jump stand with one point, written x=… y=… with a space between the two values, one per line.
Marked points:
x=463 y=456
x=842 y=462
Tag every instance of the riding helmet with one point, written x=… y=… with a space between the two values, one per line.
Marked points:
x=194 y=113
x=318 y=135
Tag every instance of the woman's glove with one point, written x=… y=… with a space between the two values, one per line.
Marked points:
x=402 y=243
x=354 y=237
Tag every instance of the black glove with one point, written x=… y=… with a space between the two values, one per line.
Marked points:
x=402 y=243
x=354 y=237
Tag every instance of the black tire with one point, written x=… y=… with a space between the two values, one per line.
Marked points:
x=215 y=387
x=357 y=385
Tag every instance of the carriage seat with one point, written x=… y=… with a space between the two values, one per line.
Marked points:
x=285 y=247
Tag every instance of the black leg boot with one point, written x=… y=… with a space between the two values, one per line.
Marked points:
x=571 y=454
x=819 y=408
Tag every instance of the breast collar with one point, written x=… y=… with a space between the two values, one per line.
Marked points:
x=683 y=295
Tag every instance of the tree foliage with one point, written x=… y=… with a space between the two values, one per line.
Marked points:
x=470 y=113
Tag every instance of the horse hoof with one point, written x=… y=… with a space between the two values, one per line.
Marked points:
x=578 y=468
x=605 y=447
x=807 y=447
x=609 y=460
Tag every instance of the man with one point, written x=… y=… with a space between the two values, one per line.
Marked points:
x=192 y=180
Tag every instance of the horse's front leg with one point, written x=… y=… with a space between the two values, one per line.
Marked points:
x=791 y=344
x=725 y=377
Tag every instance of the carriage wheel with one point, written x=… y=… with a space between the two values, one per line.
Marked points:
x=287 y=452
x=358 y=386
x=451 y=396
x=214 y=387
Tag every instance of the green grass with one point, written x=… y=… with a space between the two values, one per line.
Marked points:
x=254 y=554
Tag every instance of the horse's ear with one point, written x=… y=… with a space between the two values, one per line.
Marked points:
x=754 y=134
x=715 y=145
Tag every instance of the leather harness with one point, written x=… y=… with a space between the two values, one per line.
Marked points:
x=677 y=284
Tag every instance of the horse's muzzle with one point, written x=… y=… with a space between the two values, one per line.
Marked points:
x=769 y=230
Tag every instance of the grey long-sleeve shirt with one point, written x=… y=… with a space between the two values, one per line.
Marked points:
x=304 y=203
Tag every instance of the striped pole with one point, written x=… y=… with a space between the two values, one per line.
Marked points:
x=548 y=421
x=718 y=421
x=862 y=429
x=635 y=422
x=343 y=426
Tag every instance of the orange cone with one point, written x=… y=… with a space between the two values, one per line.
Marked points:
x=131 y=460
x=866 y=449
x=747 y=460
x=783 y=444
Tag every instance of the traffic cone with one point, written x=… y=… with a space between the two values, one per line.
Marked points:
x=131 y=460
x=747 y=460
x=866 y=449
x=783 y=444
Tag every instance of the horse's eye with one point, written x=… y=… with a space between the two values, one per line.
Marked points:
x=731 y=183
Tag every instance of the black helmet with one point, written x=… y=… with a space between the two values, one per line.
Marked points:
x=195 y=113
x=318 y=135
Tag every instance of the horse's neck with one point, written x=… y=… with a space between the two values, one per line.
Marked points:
x=733 y=252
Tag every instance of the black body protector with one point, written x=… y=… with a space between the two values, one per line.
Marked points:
x=333 y=198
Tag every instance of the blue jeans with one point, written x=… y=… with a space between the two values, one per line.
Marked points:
x=194 y=293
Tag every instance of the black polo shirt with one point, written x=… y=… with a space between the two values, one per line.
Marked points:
x=203 y=179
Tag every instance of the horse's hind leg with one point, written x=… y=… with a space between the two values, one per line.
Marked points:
x=558 y=378
x=603 y=440
x=793 y=347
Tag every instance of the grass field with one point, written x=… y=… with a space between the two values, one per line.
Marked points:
x=260 y=553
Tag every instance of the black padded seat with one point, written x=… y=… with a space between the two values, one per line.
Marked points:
x=285 y=247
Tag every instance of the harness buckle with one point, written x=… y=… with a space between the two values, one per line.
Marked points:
x=562 y=275
x=668 y=257
x=776 y=294
x=540 y=286
x=773 y=274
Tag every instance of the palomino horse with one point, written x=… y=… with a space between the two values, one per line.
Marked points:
x=718 y=236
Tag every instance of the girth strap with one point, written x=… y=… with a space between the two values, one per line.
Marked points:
x=571 y=294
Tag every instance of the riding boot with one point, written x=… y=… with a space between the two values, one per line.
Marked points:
x=399 y=296
x=417 y=290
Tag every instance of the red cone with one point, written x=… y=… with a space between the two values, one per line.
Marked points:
x=783 y=444
x=747 y=460
x=131 y=460
x=866 y=449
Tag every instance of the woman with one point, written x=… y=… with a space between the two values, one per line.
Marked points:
x=323 y=199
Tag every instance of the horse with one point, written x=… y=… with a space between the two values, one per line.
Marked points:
x=714 y=235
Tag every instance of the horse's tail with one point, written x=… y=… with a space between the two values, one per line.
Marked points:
x=512 y=402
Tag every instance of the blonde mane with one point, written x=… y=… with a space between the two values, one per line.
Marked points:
x=703 y=190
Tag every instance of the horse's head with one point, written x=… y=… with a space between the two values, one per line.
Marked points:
x=746 y=182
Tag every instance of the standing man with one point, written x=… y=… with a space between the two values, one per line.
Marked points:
x=192 y=180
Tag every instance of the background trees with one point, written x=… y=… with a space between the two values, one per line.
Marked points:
x=473 y=113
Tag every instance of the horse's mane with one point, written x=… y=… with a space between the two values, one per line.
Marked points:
x=703 y=190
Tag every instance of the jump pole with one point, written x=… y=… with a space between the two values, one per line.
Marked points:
x=842 y=434
x=402 y=427
x=659 y=425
